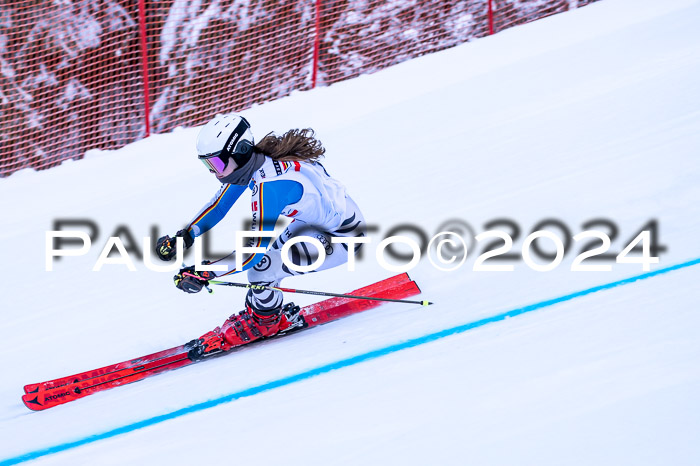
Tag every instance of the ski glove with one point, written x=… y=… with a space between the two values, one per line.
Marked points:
x=188 y=283
x=165 y=246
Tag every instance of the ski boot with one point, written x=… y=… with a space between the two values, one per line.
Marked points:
x=209 y=344
x=293 y=317
x=247 y=325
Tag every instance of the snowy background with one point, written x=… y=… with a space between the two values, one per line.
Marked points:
x=589 y=114
x=74 y=75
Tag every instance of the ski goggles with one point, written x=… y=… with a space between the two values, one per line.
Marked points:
x=235 y=148
x=214 y=163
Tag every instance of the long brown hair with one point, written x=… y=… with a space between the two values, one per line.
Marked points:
x=295 y=144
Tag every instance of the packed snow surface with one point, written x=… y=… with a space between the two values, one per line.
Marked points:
x=591 y=114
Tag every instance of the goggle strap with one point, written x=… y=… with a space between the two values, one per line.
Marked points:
x=233 y=139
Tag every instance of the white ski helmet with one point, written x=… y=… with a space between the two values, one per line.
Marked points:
x=225 y=137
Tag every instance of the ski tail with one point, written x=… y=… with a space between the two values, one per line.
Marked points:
x=398 y=287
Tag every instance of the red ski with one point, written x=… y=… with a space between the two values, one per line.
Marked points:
x=62 y=390
x=95 y=373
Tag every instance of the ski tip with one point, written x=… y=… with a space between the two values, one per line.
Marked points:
x=426 y=303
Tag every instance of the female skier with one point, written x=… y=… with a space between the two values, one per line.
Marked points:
x=286 y=178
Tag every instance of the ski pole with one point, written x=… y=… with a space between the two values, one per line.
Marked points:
x=317 y=293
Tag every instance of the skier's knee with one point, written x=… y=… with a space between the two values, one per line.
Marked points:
x=264 y=272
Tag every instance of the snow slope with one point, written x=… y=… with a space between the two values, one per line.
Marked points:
x=589 y=114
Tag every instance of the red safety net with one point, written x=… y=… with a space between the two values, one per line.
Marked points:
x=84 y=74
x=209 y=57
x=509 y=13
x=70 y=80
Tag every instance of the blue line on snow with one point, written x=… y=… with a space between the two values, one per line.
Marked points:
x=332 y=366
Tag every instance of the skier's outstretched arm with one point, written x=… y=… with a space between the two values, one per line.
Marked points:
x=268 y=203
x=215 y=210
x=206 y=219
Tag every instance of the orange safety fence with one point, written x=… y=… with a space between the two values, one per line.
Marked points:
x=99 y=74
